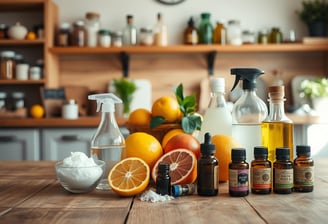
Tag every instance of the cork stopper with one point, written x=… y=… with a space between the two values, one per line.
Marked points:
x=276 y=92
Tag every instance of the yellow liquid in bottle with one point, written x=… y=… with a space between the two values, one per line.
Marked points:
x=275 y=135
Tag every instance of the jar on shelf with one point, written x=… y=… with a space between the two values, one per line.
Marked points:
x=92 y=26
x=104 y=38
x=7 y=65
x=79 y=34
x=117 y=40
x=18 y=100
x=276 y=36
x=64 y=35
x=35 y=73
x=234 y=32
x=248 y=37
x=205 y=29
x=220 y=34
x=4 y=31
x=146 y=37
x=263 y=37
x=3 y=99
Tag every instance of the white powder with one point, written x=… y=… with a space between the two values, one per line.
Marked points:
x=79 y=171
x=152 y=196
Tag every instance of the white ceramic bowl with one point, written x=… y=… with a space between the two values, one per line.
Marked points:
x=80 y=179
x=17 y=32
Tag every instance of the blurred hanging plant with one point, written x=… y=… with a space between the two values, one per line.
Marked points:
x=125 y=88
x=314 y=88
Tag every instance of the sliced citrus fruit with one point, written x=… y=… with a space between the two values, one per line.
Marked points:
x=171 y=134
x=183 y=166
x=129 y=177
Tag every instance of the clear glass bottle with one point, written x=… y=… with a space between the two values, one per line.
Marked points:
x=7 y=65
x=234 y=32
x=92 y=26
x=248 y=111
x=261 y=178
x=283 y=172
x=303 y=169
x=207 y=169
x=129 y=32
x=191 y=33
x=205 y=29
x=277 y=128
x=108 y=142
x=163 y=179
x=146 y=37
x=238 y=173
x=217 y=118
x=160 y=32
x=220 y=34
x=79 y=34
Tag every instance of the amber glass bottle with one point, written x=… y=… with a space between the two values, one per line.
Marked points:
x=238 y=173
x=191 y=33
x=219 y=34
x=261 y=179
x=283 y=172
x=303 y=169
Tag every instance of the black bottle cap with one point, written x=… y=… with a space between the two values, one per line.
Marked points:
x=207 y=147
x=163 y=168
x=282 y=153
x=191 y=22
x=248 y=75
x=303 y=150
x=260 y=151
x=238 y=154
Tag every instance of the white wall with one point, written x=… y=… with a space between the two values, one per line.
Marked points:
x=253 y=14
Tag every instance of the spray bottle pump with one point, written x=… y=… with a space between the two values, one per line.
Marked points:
x=108 y=141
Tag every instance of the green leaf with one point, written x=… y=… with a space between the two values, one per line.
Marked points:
x=191 y=123
x=156 y=121
x=179 y=94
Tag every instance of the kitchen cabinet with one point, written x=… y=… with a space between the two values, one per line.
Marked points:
x=29 y=13
x=58 y=143
x=19 y=144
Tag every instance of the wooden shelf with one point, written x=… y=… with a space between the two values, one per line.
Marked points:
x=22 y=82
x=21 y=42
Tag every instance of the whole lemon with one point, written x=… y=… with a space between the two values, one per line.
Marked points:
x=223 y=146
x=37 y=111
x=139 y=116
x=143 y=146
x=167 y=107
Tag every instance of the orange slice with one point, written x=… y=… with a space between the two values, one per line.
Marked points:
x=129 y=177
x=183 y=166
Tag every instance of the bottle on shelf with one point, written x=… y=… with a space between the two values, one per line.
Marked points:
x=7 y=65
x=207 y=169
x=234 y=33
x=220 y=34
x=283 y=175
x=160 y=32
x=277 y=128
x=64 y=35
x=238 y=173
x=92 y=26
x=276 y=36
x=108 y=141
x=129 y=32
x=79 y=34
x=205 y=29
x=303 y=169
x=191 y=33
x=217 y=117
x=261 y=178
x=248 y=111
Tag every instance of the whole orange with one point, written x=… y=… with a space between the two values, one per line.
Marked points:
x=167 y=107
x=171 y=134
x=223 y=146
x=139 y=116
x=37 y=111
x=183 y=141
x=143 y=146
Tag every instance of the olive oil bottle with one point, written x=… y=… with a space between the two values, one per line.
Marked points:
x=277 y=129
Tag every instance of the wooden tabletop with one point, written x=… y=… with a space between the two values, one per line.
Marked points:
x=30 y=193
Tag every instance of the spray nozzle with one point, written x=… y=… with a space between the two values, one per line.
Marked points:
x=248 y=75
x=106 y=100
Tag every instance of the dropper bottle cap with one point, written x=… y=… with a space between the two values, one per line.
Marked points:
x=207 y=148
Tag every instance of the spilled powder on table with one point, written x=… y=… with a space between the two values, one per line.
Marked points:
x=152 y=196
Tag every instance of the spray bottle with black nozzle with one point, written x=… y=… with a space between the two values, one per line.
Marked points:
x=248 y=111
x=108 y=141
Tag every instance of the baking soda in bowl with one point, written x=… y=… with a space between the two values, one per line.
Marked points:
x=79 y=173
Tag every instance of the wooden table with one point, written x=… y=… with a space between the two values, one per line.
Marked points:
x=30 y=193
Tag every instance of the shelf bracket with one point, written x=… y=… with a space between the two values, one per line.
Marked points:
x=125 y=58
x=210 y=62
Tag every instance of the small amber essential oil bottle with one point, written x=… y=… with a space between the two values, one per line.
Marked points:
x=163 y=180
x=261 y=178
x=303 y=169
x=283 y=177
x=238 y=173
x=207 y=169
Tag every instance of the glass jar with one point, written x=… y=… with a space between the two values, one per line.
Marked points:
x=35 y=73
x=219 y=34
x=248 y=37
x=234 y=33
x=263 y=37
x=146 y=37
x=104 y=39
x=117 y=39
x=205 y=29
x=3 y=98
x=8 y=65
x=18 y=100
x=92 y=26
x=3 y=31
x=276 y=36
x=79 y=34
x=64 y=35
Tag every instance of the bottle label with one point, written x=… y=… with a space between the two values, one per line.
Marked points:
x=304 y=176
x=283 y=178
x=238 y=180
x=261 y=178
